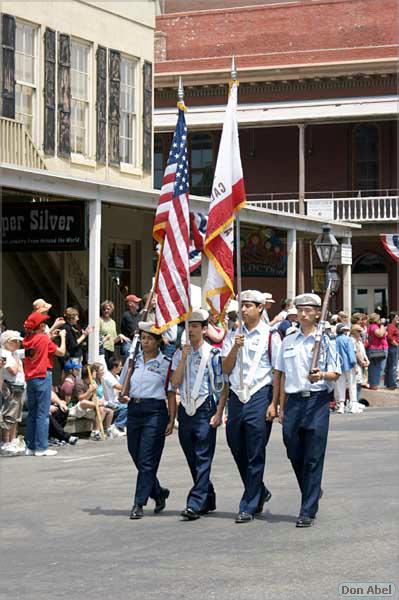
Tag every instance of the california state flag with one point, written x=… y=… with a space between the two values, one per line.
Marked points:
x=228 y=196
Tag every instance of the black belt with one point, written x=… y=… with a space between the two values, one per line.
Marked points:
x=140 y=400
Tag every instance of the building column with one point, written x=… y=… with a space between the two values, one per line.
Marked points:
x=291 y=263
x=94 y=277
x=301 y=196
x=347 y=284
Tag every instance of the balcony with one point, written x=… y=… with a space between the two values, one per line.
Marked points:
x=17 y=147
x=366 y=206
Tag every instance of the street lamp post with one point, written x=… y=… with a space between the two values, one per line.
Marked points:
x=326 y=247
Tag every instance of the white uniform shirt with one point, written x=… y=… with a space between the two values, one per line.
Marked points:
x=263 y=375
x=148 y=379
x=295 y=358
x=194 y=360
x=11 y=361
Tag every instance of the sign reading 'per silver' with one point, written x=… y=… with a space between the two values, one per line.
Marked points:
x=43 y=226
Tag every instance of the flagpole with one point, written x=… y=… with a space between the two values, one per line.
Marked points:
x=180 y=96
x=238 y=251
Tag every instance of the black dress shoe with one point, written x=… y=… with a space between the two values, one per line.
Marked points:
x=136 y=512
x=160 y=502
x=265 y=497
x=244 y=517
x=304 y=521
x=189 y=514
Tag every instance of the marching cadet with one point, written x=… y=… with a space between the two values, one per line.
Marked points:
x=199 y=413
x=304 y=403
x=150 y=417
x=247 y=429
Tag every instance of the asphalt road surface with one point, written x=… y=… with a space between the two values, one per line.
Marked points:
x=65 y=531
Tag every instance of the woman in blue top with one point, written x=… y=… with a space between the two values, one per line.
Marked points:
x=151 y=417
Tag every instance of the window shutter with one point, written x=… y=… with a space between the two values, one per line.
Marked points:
x=49 y=92
x=101 y=104
x=113 y=109
x=8 y=26
x=64 y=95
x=147 y=117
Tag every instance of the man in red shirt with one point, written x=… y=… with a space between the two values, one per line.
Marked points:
x=391 y=368
x=38 y=374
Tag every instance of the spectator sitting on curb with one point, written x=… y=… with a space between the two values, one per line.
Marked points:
x=84 y=407
x=58 y=417
x=112 y=388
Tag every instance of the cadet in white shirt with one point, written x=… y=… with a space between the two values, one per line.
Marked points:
x=151 y=416
x=304 y=403
x=199 y=412
x=247 y=429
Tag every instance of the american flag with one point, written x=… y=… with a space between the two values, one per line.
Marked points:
x=172 y=231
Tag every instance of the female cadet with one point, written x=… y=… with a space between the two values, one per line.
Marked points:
x=151 y=417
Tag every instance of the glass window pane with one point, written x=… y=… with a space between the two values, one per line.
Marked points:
x=19 y=67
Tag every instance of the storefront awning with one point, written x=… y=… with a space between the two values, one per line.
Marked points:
x=283 y=113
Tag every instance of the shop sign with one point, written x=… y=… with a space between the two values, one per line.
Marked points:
x=44 y=226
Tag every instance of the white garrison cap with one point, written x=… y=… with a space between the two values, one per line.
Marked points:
x=146 y=326
x=200 y=314
x=267 y=297
x=252 y=296
x=292 y=311
x=307 y=300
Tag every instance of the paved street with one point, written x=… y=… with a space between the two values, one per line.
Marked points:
x=66 y=532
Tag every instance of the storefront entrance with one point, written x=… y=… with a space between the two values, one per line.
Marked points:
x=370 y=286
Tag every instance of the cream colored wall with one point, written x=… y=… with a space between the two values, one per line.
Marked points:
x=124 y=26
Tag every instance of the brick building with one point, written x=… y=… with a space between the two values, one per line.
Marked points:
x=317 y=120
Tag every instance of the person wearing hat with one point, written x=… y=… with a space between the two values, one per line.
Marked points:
x=347 y=379
x=150 y=418
x=290 y=321
x=267 y=304
x=40 y=305
x=197 y=372
x=130 y=320
x=38 y=374
x=305 y=403
x=13 y=391
x=247 y=430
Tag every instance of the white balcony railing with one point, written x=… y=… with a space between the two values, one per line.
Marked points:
x=371 y=206
x=16 y=145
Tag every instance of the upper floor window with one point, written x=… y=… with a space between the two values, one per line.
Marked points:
x=80 y=53
x=201 y=164
x=158 y=162
x=366 y=157
x=128 y=110
x=25 y=74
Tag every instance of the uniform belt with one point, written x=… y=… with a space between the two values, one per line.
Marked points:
x=139 y=400
x=308 y=394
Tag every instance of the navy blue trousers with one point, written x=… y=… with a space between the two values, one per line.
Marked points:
x=247 y=433
x=198 y=441
x=305 y=432
x=146 y=425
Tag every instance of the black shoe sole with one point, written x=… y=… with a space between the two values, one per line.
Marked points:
x=187 y=517
x=135 y=517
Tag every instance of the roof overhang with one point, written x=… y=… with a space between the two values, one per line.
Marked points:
x=284 y=113
x=73 y=188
